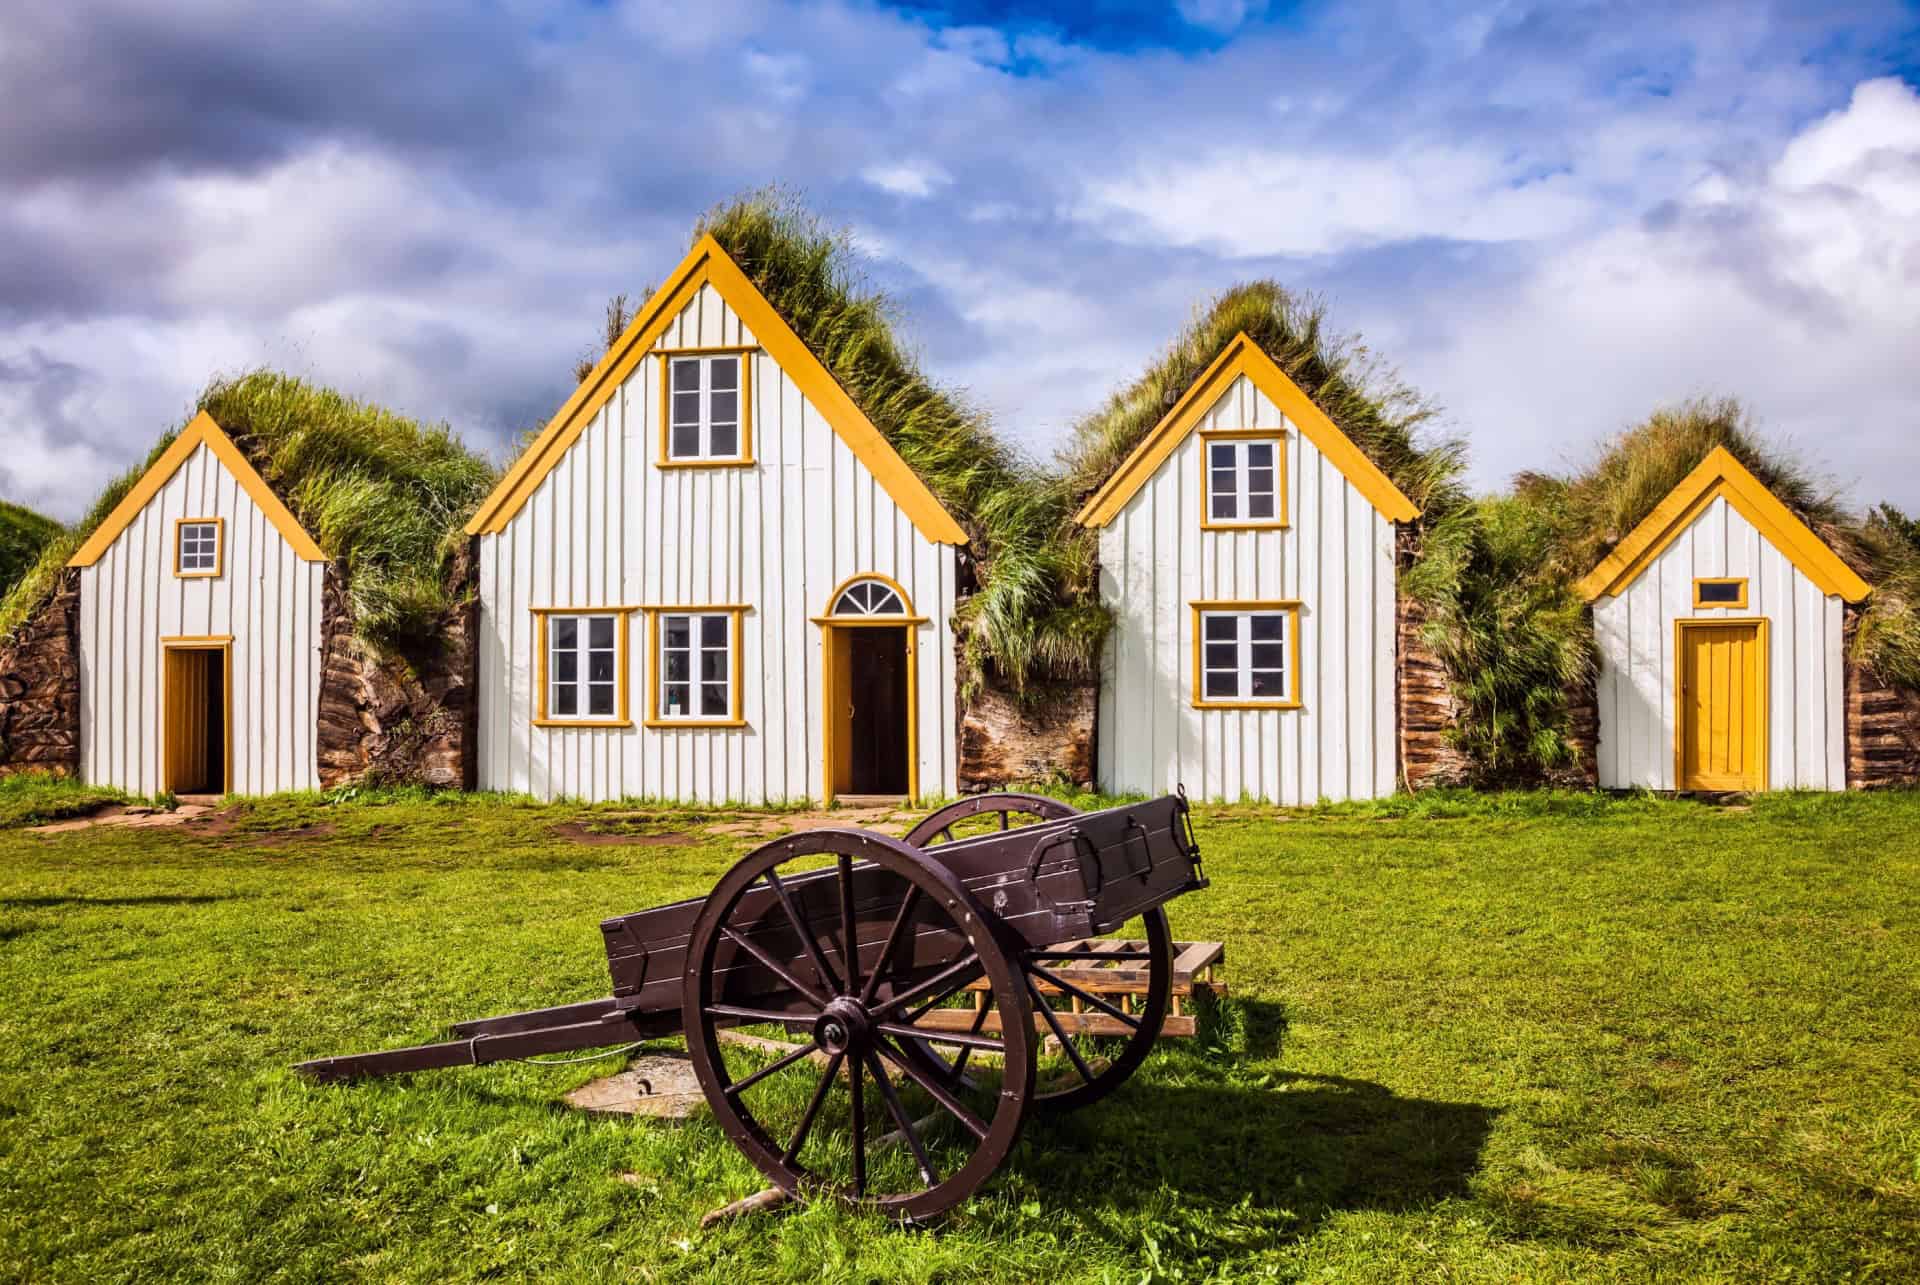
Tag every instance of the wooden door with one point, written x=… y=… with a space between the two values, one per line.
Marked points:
x=877 y=685
x=1721 y=740
x=194 y=731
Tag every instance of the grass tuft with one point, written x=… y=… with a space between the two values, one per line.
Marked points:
x=35 y=798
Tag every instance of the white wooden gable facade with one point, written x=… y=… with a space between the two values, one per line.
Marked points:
x=200 y=600
x=728 y=547
x=1253 y=648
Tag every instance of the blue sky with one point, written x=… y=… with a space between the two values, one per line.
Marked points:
x=1552 y=218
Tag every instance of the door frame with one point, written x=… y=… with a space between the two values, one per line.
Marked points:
x=832 y=698
x=1764 y=662
x=222 y=643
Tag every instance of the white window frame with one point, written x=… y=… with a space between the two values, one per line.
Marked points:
x=660 y=683
x=551 y=623
x=216 y=553
x=706 y=361
x=1244 y=614
x=1239 y=441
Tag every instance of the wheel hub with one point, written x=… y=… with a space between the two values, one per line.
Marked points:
x=844 y=1027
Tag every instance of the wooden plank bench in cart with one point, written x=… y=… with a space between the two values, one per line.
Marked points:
x=937 y=987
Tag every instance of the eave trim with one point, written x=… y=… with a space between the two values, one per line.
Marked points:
x=202 y=431
x=707 y=264
x=1244 y=357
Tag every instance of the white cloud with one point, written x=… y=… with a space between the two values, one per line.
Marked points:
x=915 y=178
x=1220 y=15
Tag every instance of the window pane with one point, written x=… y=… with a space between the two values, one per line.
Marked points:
x=1268 y=628
x=724 y=408
x=686 y=375
x=566 y=633
x=726 y=441
x=713 y=631
x=677 y=667
x=713 y=666
x=676 y=701
x=1269 y=684
x=1260 y=479
x=713 y=700
x=1259 y=455
x=566 y=666
x=1224 y=504
x=600 y=667
x=723 y=374
x=1260 y=506
x=600 y=632
x=1223 y=684
x=1269 y=655
x=1722 y=592
x=600 y=699
x=1227 y=627
x=678 y=631
x=1222 y=656
x=1220 y=458
x=565 y=701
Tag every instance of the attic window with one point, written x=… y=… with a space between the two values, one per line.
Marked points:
x=1244 y=479
x=869 y=598
x=196 y=549
x=1720 y=592
x=705 y=417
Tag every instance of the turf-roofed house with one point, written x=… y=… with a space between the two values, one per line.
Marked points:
x=1720 y=622
x=1248 y=555
x=713 y=578
x=271 y=602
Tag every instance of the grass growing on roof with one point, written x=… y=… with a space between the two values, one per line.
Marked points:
x=384 y=495
x=23 y=534
x=1033 y=617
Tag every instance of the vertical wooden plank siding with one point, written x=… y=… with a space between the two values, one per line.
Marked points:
x=266 y=597
x=1336 y=557
x=1639 y=667
x=608 y=527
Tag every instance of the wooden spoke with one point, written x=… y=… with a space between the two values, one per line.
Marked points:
x=986 y=1042
x=775 y=967
x=960 y=1060
x=1066 y=1041
x=849 y=943
x=1085 y=996
x=902 y=1120
x=931 y=985
x=954 y=988
x=807 y=939
x=933 y=1089
x=813 y=1108
x=738 y=1087
x=859 y=1127
x=753 y=1014
x=907 y=905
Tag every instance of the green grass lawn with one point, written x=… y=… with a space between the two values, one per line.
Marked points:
x=1471 y=1039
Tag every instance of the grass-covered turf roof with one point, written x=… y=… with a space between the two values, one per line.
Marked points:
x=23 y=534
x=384 y=495
x=1033 y=617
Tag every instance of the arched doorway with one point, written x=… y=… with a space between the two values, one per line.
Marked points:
x=872 y=689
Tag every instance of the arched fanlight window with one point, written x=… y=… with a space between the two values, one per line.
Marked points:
x=869 y=598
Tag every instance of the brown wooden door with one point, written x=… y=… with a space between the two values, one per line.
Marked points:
x=876 y=688
x=195 y=728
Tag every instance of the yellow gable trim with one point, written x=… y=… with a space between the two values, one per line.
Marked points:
x=708 y=264
x=1717 y=476
x=1244 y=357
x=201 y=432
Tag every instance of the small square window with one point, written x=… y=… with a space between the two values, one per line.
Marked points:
x=197 y=552
x=1724 y=591
x=704 y=409
x=1245 y=480
x=1245 y=655
x=585 y=674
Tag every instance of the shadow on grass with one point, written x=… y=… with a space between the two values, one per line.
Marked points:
x=163 y=899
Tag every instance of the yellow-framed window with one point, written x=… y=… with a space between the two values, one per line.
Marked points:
x=1246 y=655
x=199 y=548
x=1720 y=591
x=581 y=667
x=706 y=407
x=695 y=665
x=1243 y=479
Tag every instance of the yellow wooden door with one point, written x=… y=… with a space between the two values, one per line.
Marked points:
x=1722 y=737
x=186 y=729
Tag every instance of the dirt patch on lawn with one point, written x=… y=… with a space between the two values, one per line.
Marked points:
x=891 y=821
x=116 y=816
x=639 y=837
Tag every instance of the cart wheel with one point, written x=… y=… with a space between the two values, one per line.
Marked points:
x=1076 y=1069
x=769 y=949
